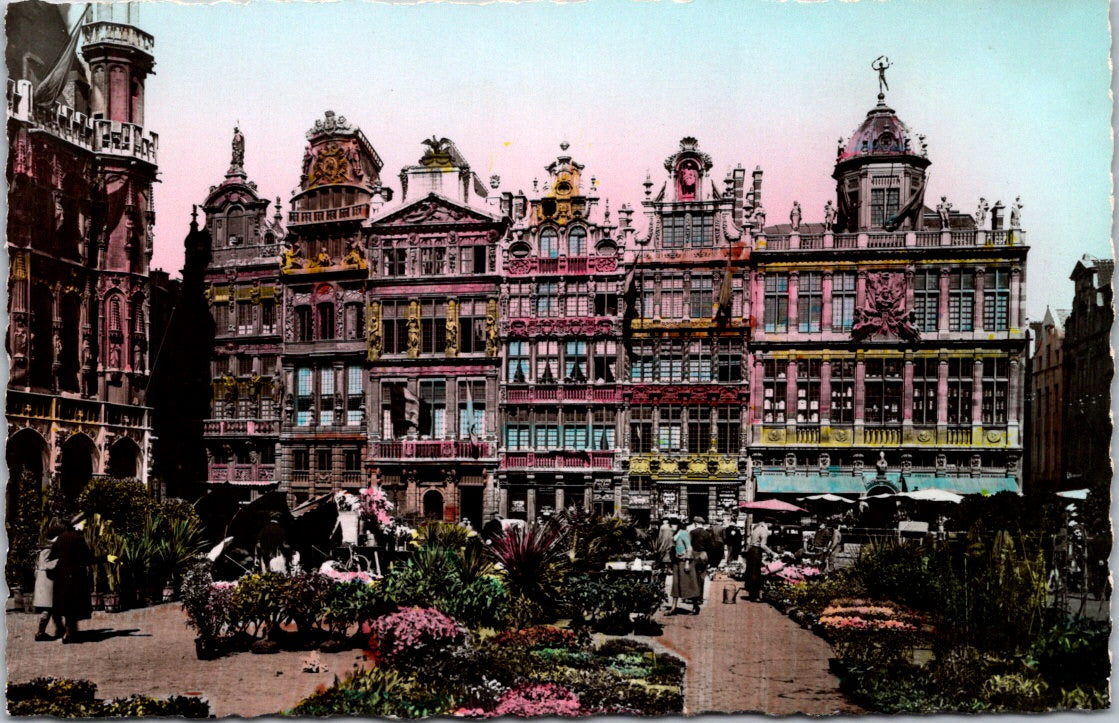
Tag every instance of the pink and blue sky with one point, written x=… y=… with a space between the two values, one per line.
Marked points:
x=1013 y=97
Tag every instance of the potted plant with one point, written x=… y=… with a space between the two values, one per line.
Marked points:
x=207 y=606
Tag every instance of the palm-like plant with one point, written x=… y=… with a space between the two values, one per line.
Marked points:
x=441 y=534
x=533 y=561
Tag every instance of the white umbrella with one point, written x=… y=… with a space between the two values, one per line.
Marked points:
x=828 y=497
x=215 y=553
x=932 y=495
x=1074 y=494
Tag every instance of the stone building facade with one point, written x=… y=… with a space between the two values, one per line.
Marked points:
x=1046 y=402
x=81 y=164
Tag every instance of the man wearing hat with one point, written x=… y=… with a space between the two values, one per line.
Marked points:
x=757 y=543
x=701 y=547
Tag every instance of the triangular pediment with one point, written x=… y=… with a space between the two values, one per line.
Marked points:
x=434 y=210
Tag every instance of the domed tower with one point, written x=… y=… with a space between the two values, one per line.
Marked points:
x=881 y=172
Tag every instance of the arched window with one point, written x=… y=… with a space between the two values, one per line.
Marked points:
x=549 y=244
x=577 y=241
x=138 y=315
x=114 y=314
x=326 y=321
x=237 y=226
x=355 y=321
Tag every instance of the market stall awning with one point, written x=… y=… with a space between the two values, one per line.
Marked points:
x=811 y=484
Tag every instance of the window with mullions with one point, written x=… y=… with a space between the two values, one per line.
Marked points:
x=472 y=259
x=774 y=390
x=323 y=460
x=518 y=431
x=699 y=428
x=641 y=429
x=354 y=322
x=883 y=382
x=960 y=383
x=728 y=425
x=776 y=301
x=810 y=299
x=394 y=262
x=304 y=397
x=645 y=298
x=326 y=396
x=549 y=243
x=472 y=325
x=671 y=360
x=605 y=304
x=303 y=326
x=926 y=371
x=670 y=429
x=575 y=428
x=326 y=320
x=643 y=361
x=433 y=409
x=398 y=409
x=996 y=300
x=577 y=300
x=728 y=363
x=575 y=361
x=432 y=261
x=926 y=298
x=688 y=229
x=351 y=460
x=577 y=241
x=699 y=361
x=961 y=300
x=355 y=394
x=547 y=361
x=520 y=299
x=267 y=317
x=518 y=369
x=808 y=391
x=843 y=300
x=602 y=428
x=672 y=297
x=394 y=315
x=546 y=299
x=300 y=460
x=700 y=299
x=842 y=391
x=883 y=205
x=605 y=354
x=471 y=408
x=546 y=428
x=996 y=388
x=244 y=318
x=433 y=326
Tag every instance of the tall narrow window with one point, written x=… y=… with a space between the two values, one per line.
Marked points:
x=398 y=413
x=883 y=381
x=643 y=361
x=547 y=361
x=699 y=360
x=575 y=361
x=472 y=325
x=883 y=205
x=960 y=383
x=810 y=300
x=672 y=297
x=728 y=364
x=546 y=299
x=326 y=397
x=433 y=326
x=578 y=300
x=996 y=300
x=842 y=300
x=926 y=298
x=996 y=382
x=577 y=241
x=549 y=244
x=244 y=318
x=355 y=321
x=671 y=361
x=394 y=315
x=300 y=460
x=699 y=428
x=605 y=355
x=925 y=373
x=776 y=315
x=326 y=320
x=602 y=428
x=575 y=428
x=395 y=261
x=808 y=391
x=518 y=370
x=546 y=428
x=774 y=390
x=355 y=393
x=728 y=427
x=700 y=300
x=267 y=317
x=471 y=408
x=114 y=315
x=304 y=397
x=323 y=462
x=961 y=300
x=645 y=298
x=433 y=409
x=641 y=429
x=670 y=428
x=520 y=299
x=842 y=391
x=518 y=430
x=303 y=325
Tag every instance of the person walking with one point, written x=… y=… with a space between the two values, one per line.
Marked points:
x=757 y=543
x=71 y=602
x=716 y=554
x=43 y=599
x=733 y=537
x=684 y=583
x=701 y=545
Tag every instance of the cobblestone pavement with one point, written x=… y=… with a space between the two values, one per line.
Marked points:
x=151 y=650
x=749 y=658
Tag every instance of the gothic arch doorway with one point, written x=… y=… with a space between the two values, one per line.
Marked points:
x=79 y=460
x=27 y=454
x=124 y=459
x=433 y=505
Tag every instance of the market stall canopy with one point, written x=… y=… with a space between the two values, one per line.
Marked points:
x=932 y=496
x=843 y=484
x=1074 y=494
x=771 y=506
x=828 y=497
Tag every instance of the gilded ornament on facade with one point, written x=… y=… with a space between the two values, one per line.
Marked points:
x=330 y=166
x=452 y=328
x=413 y=329
x=491 y=327
x=374 y=340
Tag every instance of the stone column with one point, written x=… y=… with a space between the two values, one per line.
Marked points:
x=825 y=391
x=825 y=306
x=977 y=321
x=1017 y=299
x=860 y=289
x=860 y=390
x=942 y=393
x=907 y=393
x=757 y=304
x=794 y=314
x=977 y=393
x=790 y=392
x=942 y=302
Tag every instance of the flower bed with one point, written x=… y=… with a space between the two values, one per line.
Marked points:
x=62 y=698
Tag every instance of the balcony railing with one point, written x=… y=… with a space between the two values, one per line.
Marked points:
x=564 y=459
x=846 y=240
x=32 y=405
x=357 y=211
x=432 y=449
x=242 y=474
x=117 y=33
x=607 y=393
x=563 y=265
x=239 y=427
x=882 y=435
x=883 y=240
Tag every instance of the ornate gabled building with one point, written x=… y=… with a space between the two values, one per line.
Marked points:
x=686 y=334
x=241 y=284
x=432 y=349
x=560 y=336
x=889 y=342
x=1046 y=402
x=324 y=275
x=81 y=165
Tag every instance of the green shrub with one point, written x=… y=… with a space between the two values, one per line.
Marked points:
x=126 y=502
x=258 y=602
x=63 y=698
x=1074 y=654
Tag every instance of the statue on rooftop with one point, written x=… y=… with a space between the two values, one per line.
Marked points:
x=829 y=215
x=881 y=64
x=238 y=147
x=944 y=211
x=1016 y=213
x=981 y=213
x=794 y=216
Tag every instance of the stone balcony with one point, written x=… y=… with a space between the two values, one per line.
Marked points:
x=240 y=427
x=73 y=412
x=684 y=467
x=117 y=34
x=884 y=240
x=562 y=266
x=897 y=435
x=444 y=450
x=356 y=212
x=242 y=474
x=558 y=459
x=533 y=393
